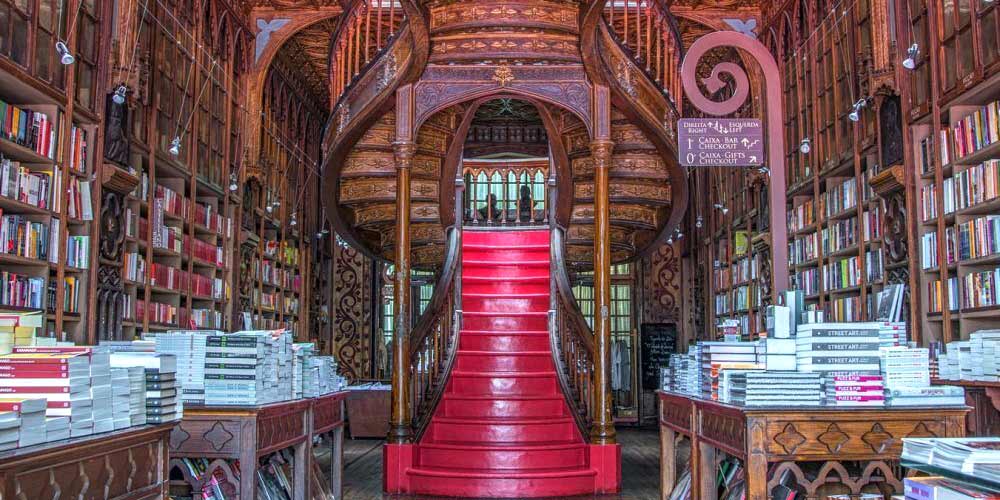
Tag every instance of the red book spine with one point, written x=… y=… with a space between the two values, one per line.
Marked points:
x=34 y=374
x=860 y=398
x=57 y=404
x=10 y=406
x=35 y=390
x=44 y=360
x=33 y=368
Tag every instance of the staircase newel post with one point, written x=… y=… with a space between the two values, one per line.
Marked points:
x=603 y=431
x=400 y=428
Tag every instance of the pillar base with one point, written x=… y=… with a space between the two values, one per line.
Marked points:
x=606 y=459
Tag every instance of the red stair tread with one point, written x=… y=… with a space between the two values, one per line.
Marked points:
x=524 y=411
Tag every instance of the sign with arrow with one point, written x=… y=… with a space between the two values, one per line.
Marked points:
x=720 y=142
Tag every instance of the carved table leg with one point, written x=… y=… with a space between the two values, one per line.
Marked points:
x=706 y=464
x=756 y=463
x=668 y=461
x=301 y=469
x=337 y=463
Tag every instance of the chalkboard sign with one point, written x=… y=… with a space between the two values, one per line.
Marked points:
x=657 y=342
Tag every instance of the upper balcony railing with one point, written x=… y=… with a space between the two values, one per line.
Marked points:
x=368 y=27
x=648 y=32
x=502 y=193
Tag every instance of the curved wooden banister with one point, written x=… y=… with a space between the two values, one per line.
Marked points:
x=570 y=337
x=434 y=340
x=364 y=34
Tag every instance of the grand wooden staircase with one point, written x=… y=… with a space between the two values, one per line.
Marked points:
x=501 y=389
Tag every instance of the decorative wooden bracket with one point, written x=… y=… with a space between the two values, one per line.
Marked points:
x=113 y=178
x=888 y=181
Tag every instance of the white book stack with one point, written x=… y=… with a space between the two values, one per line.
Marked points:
x=937 y=395
x=121 y=396
x=855 y=390
x=160 y=382
x=766 y=388
x=779 y=354
x=30 y=416
x=137 y=395
x=235 y=368
x=892 y=333
x=727 y=380
x=965 y=361
x=57 y=428
x=906 y=367
x=718 y=356
x=983 y=351
x=834 y=348
x=10 y=426
x=300 y=353
x=59 y=374
x=100 y=389
x=189 y=347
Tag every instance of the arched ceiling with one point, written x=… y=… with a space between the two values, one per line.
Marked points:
x=307 y=54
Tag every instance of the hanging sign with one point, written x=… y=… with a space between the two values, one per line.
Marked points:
x=721 y=142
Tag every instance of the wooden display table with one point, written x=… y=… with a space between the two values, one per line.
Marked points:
x=785 y=437
x=247 y=433
x=130 y=463
x=368 y=412
x=984 y=399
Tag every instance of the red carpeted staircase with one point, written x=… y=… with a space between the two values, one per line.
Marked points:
x=502 y=428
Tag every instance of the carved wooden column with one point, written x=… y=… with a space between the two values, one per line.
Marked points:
x=603 y=431
x=403 y=149
x=116 y=183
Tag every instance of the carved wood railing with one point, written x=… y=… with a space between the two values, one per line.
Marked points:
x=570 y=336
x=648 y=32
x=434 y=340
x=362 y=36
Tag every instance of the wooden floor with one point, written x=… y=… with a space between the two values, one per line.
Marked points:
x=640 y=469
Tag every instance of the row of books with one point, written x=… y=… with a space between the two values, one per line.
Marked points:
x=270 y=274
x=978 y=237
x=803 y=248
x=974 y=359
x=32 y=129
x=847 y=272
x=78 y=251
x=936 y=297
x=17 y=290
x=978 y=184
x=157 y=312
x=841 y=197
x=979 y=289
x=209 y=217
x=806 y=280
x=848 y=309
x=80 y=205
x=931 y=146
x=38 y=188
x=801 y=216
x=25 y=236
x=977 y=130
x=169 y=202
x=929 y=248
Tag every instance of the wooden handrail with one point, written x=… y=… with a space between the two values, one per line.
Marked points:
x=434 y=341
x=359 y=41
x=648 y=32
x=570 y=337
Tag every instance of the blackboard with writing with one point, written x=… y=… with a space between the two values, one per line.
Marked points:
x=657 y=342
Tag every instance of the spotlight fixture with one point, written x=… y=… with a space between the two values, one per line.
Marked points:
x=855 y=113
x=805 y=146
x=764 y=170
x=912 y=53
x=175 y=146
x=722 y=207
x=322 y=233
x=119 y=95
x=64 y=56
x=269 y=208
x=292 y=221
x=233 y=182
x=670 y=241
x=679 y=234
x=699 y=222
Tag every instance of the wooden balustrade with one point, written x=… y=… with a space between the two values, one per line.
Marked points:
x=648 y=32
x=570 y=336
x=511 y=194
x=434 y=341
x=368 y=27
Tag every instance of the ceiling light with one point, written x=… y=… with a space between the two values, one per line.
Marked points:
x=805 y=146
x=175 y=146
x=119 y=95
x=64 y=56
x=855 y=113
x=912 y=53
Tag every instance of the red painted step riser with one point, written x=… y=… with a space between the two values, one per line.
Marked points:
x=503 y=459
x=503 y=386
x=505 y=238
x=503 y=487
x=503 y=343
x=504 y=304
x=505 y=255
x=500 y=324
x=486 y=433
x=499 y=273
x=503 y=287
x=554 y=407
x=503 y=363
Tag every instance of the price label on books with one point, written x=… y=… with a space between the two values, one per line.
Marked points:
x=721 y=142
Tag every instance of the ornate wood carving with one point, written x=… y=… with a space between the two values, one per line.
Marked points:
x=352 y=314
x=123 y=464
x=890 y=123
x=662 y=298
x=117 y=141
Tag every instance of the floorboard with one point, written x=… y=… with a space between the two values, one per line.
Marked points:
x=640 y=469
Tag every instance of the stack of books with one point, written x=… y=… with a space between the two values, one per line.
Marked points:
x=18 y=329
x=300 y=353
x=120 y=398
x=855 y=390
x=719 y=356
x=971 y=456
x=984 y=347
x=22 y=422
x=161 y=385
x=779 y=354
x=57 y=428
x=189 y=348
x=63 y=379
x=137 y=395
x=937 y=487
x=935 y=395
x=766 y=388
x=832 y=348
x=906 y=367
x=235 y=369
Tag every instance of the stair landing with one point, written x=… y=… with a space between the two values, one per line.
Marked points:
x=503 y=428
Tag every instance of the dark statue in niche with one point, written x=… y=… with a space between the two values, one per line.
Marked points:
x=116 y=132
x=890 y=122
